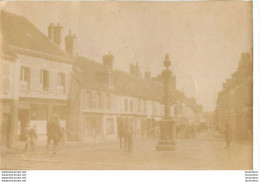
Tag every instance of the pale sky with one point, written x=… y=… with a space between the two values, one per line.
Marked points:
x=204 y=39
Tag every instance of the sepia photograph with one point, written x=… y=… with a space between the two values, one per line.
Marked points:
x=126 y=85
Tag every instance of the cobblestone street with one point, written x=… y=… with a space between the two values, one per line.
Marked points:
x=205 y=152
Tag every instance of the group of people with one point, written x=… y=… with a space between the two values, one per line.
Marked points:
x=186 y=131
x=125 y=133
x=55 y=134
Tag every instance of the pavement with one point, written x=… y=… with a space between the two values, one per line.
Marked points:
x=206 y=152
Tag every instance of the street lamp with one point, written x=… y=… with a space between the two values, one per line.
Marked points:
x=166 y=141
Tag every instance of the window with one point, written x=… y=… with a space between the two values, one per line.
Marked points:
x=25 y=77
x=110 y=80
x=162 y=110
x=94 y=100
x=89 y=100
x=99 y=100
x=108 y=101
x=6 y=78
x=131 y=106
x=154 y=108
x=61 y=82
x=139 y=105
x=45 y=80
x=145 y=106
x=110 y=129
x=176 y=110
x=126 y=105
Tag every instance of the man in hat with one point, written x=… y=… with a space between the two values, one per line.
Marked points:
x=53 y=133
x=27 y=136
x=121 y=131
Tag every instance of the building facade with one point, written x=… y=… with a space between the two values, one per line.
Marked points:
x=40 y=76
x=8 y=97
x=235 y=101
x=41 y=79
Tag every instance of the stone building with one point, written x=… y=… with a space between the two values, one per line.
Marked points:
x=100 y=95
x=8 y=97
x=40 y=74
x=235 y=101
x=41 y=78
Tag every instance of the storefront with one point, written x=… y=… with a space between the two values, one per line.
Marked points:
x=38 y=113
x=99 y=126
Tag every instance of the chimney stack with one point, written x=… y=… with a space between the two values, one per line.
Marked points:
x=70 y=42
x=55 y=33
x=50 y=31
x=108 y=60
x=134 y=70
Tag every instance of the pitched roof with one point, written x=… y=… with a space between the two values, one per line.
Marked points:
x=6 y=51
x=23 y=37
x=91 y=75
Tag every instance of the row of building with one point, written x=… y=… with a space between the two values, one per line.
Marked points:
x=235 y=101
x=40 y=79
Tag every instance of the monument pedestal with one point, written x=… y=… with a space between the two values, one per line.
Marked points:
x=166 y=141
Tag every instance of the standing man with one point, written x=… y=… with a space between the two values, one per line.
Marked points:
x=27 y=136
x=125 y=132
x=129 y=136
x=54 y=133
x=33 y=136
x=227 y=135
x=121 y=131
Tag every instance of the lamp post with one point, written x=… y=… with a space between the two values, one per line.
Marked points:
x=166 y=141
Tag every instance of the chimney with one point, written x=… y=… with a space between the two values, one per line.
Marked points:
x=57 y=34
x=134 y=70
x=108 y=60
x=70 y=42
x=147 y=75
x=50 y=31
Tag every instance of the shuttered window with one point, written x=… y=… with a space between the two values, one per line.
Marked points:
x=25 y=77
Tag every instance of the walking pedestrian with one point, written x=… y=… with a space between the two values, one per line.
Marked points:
x=227 y=135
x=129 y=136
x=27 y=136
x=125 y=134
x=53 y=133
x=33 y=136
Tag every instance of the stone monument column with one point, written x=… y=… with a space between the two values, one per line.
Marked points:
x=166 y=141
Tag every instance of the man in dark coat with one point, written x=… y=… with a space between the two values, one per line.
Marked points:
x=121 y=131
x=53 y=133
x=33 y=136
x=129 y=135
